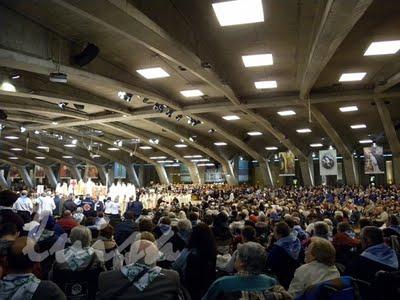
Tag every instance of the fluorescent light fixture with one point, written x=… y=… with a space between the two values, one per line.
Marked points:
x=254 y=133
x=358 y=126
x=239 y=12
x=193 y=156
x=231 y=118
x=42 y=147
x=192 y=93
x=95 y=156
x=11 y=137
x=13 y=157
x=303 y=130
x=54 y=123
x=165 y=161
x=153 y=73
x=352 y=76
x=70 y=145
x=257 y=60
x=316 y=145
x=382 y=48
x=113 y=149
x=271 y=84
x=285 y=113
x=158 y=157
x=365 y=141
x=67 y=156
x=180 y=146
x=172 y=165
x=348 y=108
x=16 y=149
x=200 y=160
x=206 y=165
x=7 y=87
x=220 y=144
x=271 y=148
x=40 y=157
x=145 y=147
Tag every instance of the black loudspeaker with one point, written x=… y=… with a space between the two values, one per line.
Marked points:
x=87 y=55
x=3 y=115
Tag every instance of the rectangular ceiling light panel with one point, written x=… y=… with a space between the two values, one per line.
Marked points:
x=383 y=48
x=257 y=60
x=153 y=73
x=266 y=84
x=352 y=76
x=239 y=12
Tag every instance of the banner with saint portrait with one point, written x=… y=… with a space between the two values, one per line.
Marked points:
x=119 y=171
x=64 y=172
x=91 y=171
x=14 y=172
x=287 y=163
x=328 y=162
x=39 y=172
x=374 y=162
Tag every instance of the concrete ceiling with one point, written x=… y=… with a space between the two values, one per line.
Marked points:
x=309 y=54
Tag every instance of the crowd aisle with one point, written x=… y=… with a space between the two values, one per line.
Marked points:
x=202 y=242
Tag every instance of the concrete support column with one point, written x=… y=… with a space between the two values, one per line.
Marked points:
x=350 y=171
x=50 y=176
x=307 y=171
x=3 y=181
x=102 y=174
x=162 y=174
x=266 y=173
x=76 y=174
x=141 y=175
x=391 y=137
x=25 y=176
x=111 y=176
x=194 y=173
x=229 y=174
x=130 y=169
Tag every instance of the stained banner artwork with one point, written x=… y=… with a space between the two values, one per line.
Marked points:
x=374 y=162
x=328 y=162
x=287 y=163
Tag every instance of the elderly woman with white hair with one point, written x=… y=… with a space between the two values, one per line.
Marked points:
x=140 y=278
x=250 y=262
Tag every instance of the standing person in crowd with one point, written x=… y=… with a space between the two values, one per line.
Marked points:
x=135 y=206
x=283 y=259
x=24 y=204
x=98 y=205
x=319 y=267
x=7 y=214
x=57 y=202
x=20 y=283
x=69 y=204
x=46 y=203
x=88 y=206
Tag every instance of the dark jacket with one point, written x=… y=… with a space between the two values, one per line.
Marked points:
x=165 y=287
x=10 y=216
x=136 y=207
x=124 y=231
x=48 y=290
x=69 y=205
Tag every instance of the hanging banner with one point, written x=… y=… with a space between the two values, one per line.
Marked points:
x=64 y=172
x=119 y=171
x=328 y=162
x=286 y=163
x=13 y=172
x=374 y=162
x=39 y=172
x=92 y=171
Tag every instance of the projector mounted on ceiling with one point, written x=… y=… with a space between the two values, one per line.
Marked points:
x=58 y=77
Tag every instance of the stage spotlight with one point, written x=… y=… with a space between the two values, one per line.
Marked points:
x=154 y=141
x=62 y=105
x=125 y=96
x=2 y=126
x=169 y=112
x=22 y=129
x=37 y=132
x=211 y=131
x=74 y=141
x=178 y=117
x=192 y=138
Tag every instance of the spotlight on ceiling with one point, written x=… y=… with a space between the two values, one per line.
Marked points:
x=211 y=130
x=125 y=96
x=154 y=141
x=22 y=129
x=7 y=87
x=159 y=107
x=178 y=117
x=169 y=112
x=37 y=132
x=118 y=143
x=192 y=138
x=58 y=77
x=62 y=105
x=2 y=126
x=194 y=122
x=15 y=76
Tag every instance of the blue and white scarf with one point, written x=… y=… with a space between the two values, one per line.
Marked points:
x=133 y=270
x=291 y=245
x=382 y=254
x=18 y=286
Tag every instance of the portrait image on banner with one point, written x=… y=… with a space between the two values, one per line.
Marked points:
x=65 y=172
x=119 y=171
x=374 y=162
x=92 y=171
x=13 y=172
x=328 y=162
x=39 y=172
x=287 y=163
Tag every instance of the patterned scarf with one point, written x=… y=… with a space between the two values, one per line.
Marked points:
x=133 y=270
x=291 y=245
x=76 y=258
x=17 y=286
x=382 y=254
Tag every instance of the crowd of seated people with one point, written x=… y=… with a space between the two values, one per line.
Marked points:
x=228 y=243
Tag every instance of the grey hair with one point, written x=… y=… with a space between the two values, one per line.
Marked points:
x=184 y=225
x=253 y=256
x=81 y=234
